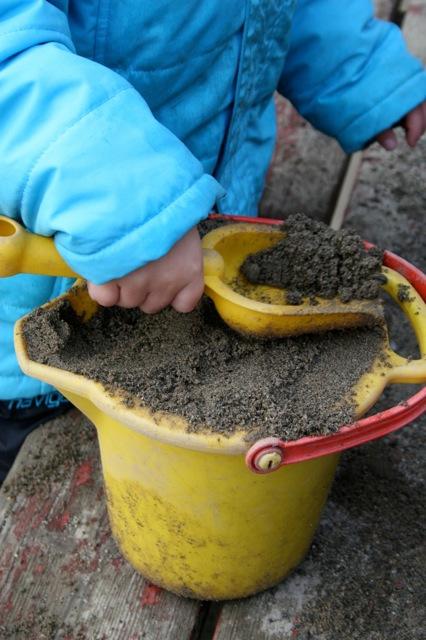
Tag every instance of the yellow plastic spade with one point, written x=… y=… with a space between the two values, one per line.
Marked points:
x=247 y=308
x=257 y=309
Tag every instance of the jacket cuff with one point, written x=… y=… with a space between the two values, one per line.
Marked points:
x=149 y=241
x=116 y=189
x=384 y=115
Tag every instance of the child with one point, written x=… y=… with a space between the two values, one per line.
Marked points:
x=116 y=115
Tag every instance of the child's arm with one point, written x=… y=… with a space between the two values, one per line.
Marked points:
x=82 y=157
x=348 y=73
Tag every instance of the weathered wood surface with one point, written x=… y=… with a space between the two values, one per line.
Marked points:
x=61 y=574
x=307 y=166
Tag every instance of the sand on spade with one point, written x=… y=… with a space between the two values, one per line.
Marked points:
x=313 y=260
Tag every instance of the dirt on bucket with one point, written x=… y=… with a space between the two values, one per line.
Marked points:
x=195 y=366
x=313 y=260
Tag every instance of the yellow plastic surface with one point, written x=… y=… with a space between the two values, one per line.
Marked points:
x=184 y=509
x=24 y=252
x=201 y=524
x=258 y=309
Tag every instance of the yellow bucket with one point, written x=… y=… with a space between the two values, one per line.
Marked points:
x=186 y=508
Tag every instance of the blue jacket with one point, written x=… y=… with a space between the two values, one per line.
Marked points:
x=115 y=115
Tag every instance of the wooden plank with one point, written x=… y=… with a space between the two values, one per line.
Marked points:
x=346 y=189
x=61 y=574
x=307 y=166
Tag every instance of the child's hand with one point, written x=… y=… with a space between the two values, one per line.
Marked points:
x=176 y=279
x=414 y=124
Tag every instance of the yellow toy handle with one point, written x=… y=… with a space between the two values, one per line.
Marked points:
x=404 y=294
x=25 y=252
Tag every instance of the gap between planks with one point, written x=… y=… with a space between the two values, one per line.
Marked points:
x=207 y=621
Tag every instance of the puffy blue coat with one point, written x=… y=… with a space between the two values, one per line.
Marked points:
x=115 y=115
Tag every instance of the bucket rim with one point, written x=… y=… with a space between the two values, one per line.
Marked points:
x=173 y=429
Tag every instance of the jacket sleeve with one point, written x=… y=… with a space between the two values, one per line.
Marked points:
x=81 y=155
x=349 y=73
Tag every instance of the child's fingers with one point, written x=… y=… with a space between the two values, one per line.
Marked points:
x=415 y=124
x=133 y=290
x=183 y=300
x=107 y=295
x=155 y=302
x=387 y=139
x=188 y=298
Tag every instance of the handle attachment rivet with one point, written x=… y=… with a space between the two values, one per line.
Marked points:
x=269 y=459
